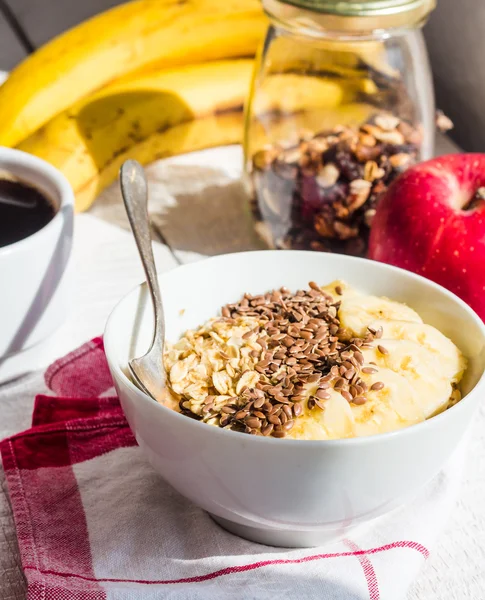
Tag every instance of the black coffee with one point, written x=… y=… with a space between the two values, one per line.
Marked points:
x=23 y=210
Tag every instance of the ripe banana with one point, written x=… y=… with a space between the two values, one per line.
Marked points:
x=418 y=372
x=357 y=311
x=124 y=39
x=420 y=353
x=161 y=114
x=425 y=335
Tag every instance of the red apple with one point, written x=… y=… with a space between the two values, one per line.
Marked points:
x=431 y=221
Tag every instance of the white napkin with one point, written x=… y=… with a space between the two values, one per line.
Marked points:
x=94 y=521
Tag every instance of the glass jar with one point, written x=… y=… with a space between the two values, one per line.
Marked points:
x=341 y=102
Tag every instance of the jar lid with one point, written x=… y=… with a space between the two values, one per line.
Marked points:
x=360 y=14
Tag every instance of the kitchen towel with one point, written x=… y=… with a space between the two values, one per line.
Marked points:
x=94 y=521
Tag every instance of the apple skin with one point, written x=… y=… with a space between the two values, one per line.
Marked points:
x=422 y=225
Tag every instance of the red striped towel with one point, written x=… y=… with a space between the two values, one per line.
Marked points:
x=95 y=522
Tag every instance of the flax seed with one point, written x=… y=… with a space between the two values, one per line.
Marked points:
x=258 y=403
x=279 y=397
x=314 y=378
x=288 y=411
x=241 y=414
x=274 y=419
x=224 y=420
x=346 y=395
x=253 y=422
x=267 y=429
x=349 y=373
x=359 y=357
x=339 y=383
x=375 y=387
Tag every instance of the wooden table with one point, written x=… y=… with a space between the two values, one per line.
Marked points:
x=198 y=208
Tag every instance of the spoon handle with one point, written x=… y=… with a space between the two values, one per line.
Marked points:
x=134 y=190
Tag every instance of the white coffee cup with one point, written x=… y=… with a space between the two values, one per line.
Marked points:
x=33 y=284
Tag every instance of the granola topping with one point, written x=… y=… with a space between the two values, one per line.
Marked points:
x=252 y=369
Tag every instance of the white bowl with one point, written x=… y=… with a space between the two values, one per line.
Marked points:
x=280 y=491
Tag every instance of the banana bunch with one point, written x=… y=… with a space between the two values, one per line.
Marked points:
x=130 y=37
x=144 y=80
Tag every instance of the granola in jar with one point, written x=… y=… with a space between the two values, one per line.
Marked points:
x=321 y=194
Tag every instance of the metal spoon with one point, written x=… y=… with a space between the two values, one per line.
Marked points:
x=148 y=371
